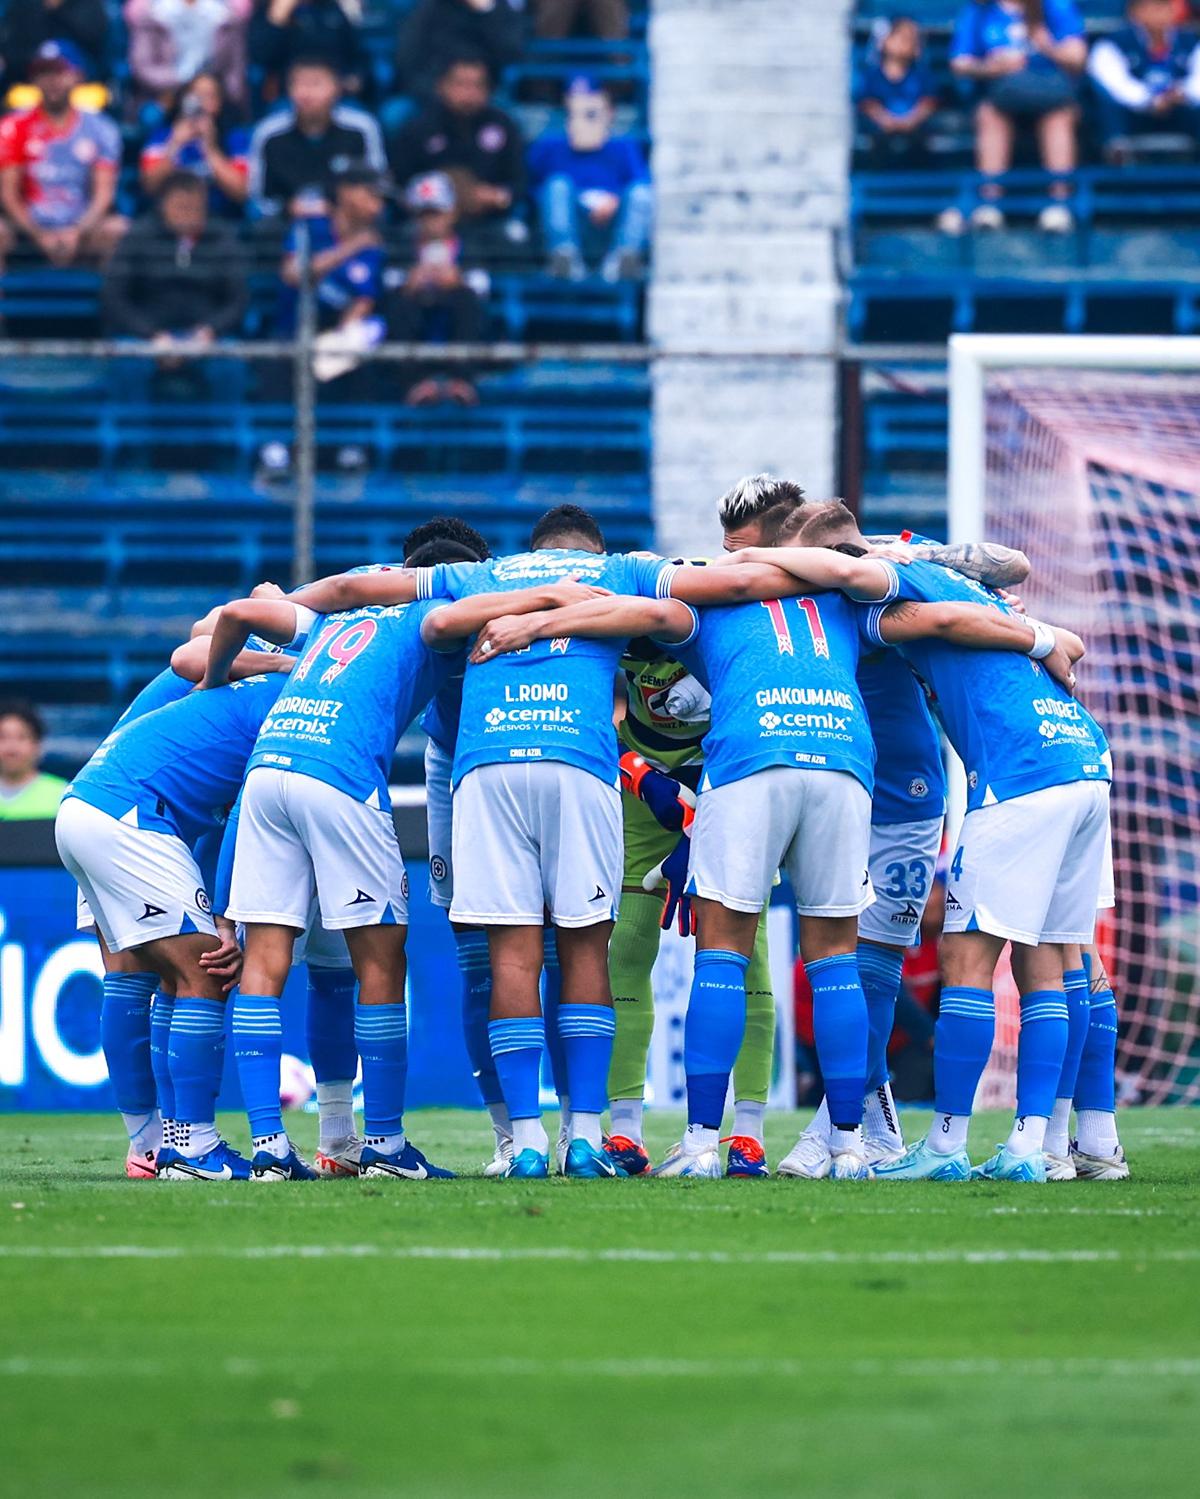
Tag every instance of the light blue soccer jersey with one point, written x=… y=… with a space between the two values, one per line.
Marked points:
x=167 y=687
x=910 y=781
x=782 y=678
x=364 y=676
x=180 y=767
x=440 y=719
x=553 y=701
x=1015 y=729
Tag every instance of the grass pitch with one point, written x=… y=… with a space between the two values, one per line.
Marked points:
x=549 y=1339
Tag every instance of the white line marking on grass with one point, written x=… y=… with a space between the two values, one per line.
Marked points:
x=470 y=1253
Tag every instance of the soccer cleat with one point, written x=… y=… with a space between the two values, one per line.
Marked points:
x=561 y=1146
x=220 y=1164
x=141 y=1165
x=1100 y=1168
x=529 y=1165
x=878 y=1152
x=746 y=1157
x=339 y=1160
x=292 y=1167
x=680 y=1162
x=166 y=1157
x=407 y=1163
x=809 y=1158
x=585 y=1162
x=501 y=1160
x=629 y=1154
x=1059 y=1168
x=849 y=1166
x=1006 y=1167
x=919 y=1163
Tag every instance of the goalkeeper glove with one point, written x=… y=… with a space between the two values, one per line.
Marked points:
x=677 y=907
x=672 y=804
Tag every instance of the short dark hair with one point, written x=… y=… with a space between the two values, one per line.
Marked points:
x=447 y=528
x=181 y=182
x=750 y=498
x=830 y=523
x=466 y=58
x=27 y=713
x=563 y=523
x=787 y=514
x=314 y=60
x=440 y=549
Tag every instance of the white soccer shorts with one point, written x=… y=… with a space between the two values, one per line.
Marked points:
x=84 y=920
x=298 y=837
x=531 y=838
x=438 y=765
x=1031 y=869
x=319 y=947
x=814 y=823
x=139 y=885
x=903 y=858
x=1108 y=882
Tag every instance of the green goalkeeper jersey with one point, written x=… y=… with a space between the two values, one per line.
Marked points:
x=649 y=726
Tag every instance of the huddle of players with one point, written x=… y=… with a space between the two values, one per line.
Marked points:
x=762 y=682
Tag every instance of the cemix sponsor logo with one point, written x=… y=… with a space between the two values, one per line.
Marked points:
x=831 y=721
x=526 y=696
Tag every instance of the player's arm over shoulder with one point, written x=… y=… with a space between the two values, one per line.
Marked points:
x=360 y=588
x=867 y=579
x=979 y=627
x=280 y=621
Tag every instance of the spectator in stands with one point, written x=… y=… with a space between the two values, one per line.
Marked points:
x=24 y=793
x=593 y=189
x=1145 y=77
x=462 y=133
x=1023 y=57
x=27 y=24
x=58 y=169
x=556 y=20
x=439 y=31
x=204 y=136
x=347 y=254
x=178 y=275
x=897 y=97
x=284 y=31
x=436 y=298
x=171 y=41
x=296 y=153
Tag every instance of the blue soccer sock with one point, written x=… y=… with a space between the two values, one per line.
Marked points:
x=161 y=1012
x=196 y=1051
x=1040 y=1051
x=879 y=970
x=962 y=1043
x=381 y=1033
x=1096 y=1086
x=258 y=1050
x=840 y=1031
x=551 y=999
x=712 y=1034
x=125 y=1039
x=329 y=1024
x=475 y=966
x=587 y=1033
x=1079 y=1010
x=517 y=1046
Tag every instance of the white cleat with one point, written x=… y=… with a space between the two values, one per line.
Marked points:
x=810 y=1158
x=501 y=1161
x=849 y=1166
x=561 y=1146
x=680 y=1162
x=1059 y=1168
x=341 y=1159
x=880 y=1152
x=1100 y=1168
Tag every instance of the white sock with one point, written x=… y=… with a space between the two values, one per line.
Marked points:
x=697 y=1139
x=748 y=1117
x=880 y=1119
x=501 y=1124
x=1058 y=1136
x=193 y=1140
x=1097 y=1132
x=1028 y=1135
x=627 y=1118
x=948 y=1133
x=335 y=1106
x=841 y=1140
x=587 y=1127
x=145 y=1131
x=387 y=1144
x=528 y=1134
x=276 y=1145
x=565 y=1128
x=820 y=1125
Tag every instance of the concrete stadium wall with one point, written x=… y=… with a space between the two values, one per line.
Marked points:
x=751 y=127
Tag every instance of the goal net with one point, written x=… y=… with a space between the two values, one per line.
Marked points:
x=1094 y=471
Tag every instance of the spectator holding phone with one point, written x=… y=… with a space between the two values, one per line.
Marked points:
x=1145 y=77
x=204 y=137
x=897 y=97
x=593 y=189
x=1024 y=58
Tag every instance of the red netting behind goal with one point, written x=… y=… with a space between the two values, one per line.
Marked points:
x=1096 y=476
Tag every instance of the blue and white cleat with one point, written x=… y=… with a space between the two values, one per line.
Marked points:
x=745 y=1157
x=166 y=1157
x=528 y=1165
x=407 y=1163
x=220 y=1164
x=587 y=1163
x=919 y=1163
x=680 y=1162
x=1006 y=1167
x=265 y=1167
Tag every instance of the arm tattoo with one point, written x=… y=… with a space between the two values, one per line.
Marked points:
x=985 y=561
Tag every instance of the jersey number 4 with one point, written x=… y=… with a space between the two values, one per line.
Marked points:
x=783 y=631
x=342 y=642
